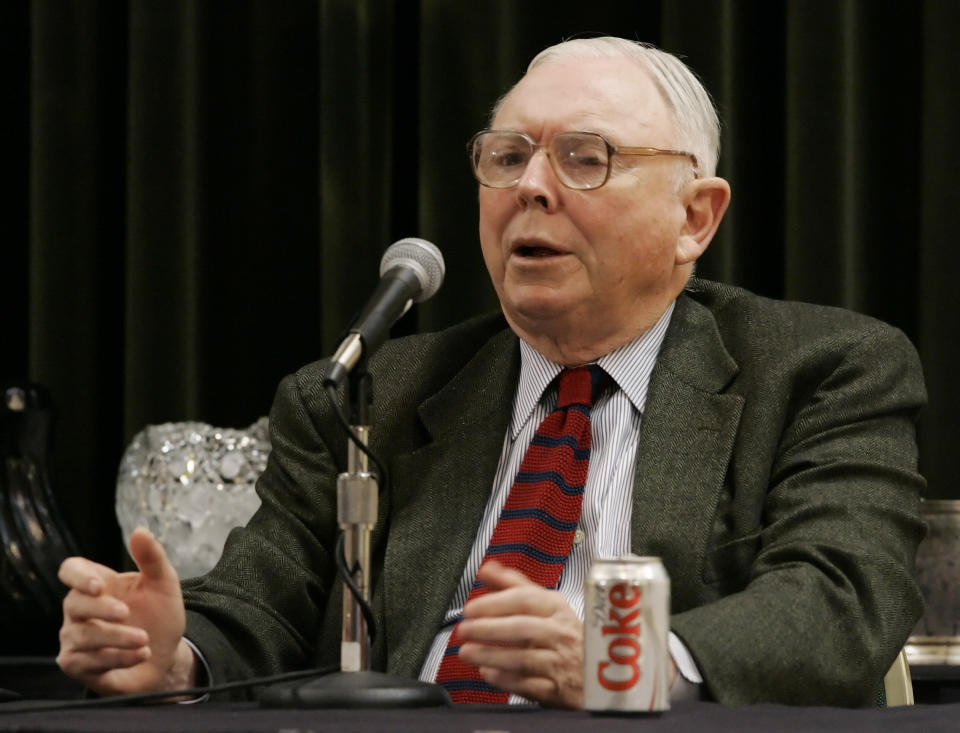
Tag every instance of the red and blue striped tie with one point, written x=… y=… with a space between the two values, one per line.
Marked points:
x=535 y=530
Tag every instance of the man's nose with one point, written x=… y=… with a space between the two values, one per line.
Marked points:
x=538 y=185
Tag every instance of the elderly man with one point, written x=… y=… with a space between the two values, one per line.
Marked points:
x=764 y=450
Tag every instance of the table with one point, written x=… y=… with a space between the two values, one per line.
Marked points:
x=690 y=716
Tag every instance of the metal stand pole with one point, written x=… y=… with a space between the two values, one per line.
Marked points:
x=356 y=686
x=357 y=493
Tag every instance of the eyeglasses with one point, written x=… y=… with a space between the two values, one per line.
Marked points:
x=581 y=160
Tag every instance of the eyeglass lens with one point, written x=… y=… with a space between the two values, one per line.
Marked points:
x=579 y=159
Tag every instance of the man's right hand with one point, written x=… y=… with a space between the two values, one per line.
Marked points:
x=122 y=632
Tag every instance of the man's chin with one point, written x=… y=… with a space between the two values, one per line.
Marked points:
x=544 y=311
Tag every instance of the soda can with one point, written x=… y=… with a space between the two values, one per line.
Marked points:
x=626 y=623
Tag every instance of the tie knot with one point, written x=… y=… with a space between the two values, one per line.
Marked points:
x=581 y=385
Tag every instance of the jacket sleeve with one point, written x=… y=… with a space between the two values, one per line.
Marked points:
x=259 y=610
x=830 y=595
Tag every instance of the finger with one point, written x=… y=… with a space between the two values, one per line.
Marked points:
x=87 y=664
x=497 y=576
x=150 y=557
x=518 y=683
x=81 y=574
x=527 y=599
x=519 y=660
x=526 y=631
x=94 y=635
x=79 y=606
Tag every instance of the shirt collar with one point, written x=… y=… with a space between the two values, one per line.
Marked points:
x=630 y=366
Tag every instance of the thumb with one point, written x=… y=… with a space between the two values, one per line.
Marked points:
x=150 y=557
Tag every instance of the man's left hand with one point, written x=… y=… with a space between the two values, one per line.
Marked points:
x=525 y=639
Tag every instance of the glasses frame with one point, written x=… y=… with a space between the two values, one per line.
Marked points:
x=612 y=150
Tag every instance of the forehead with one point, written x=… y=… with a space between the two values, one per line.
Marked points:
x=617 y=97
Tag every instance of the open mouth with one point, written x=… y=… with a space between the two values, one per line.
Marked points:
x=536 y=251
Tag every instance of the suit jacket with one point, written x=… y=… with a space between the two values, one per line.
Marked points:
x=776 y=477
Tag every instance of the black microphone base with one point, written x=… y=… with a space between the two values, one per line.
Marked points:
x=354 y=690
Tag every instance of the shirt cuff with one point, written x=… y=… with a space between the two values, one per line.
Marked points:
x=688 y=684
x=208 y=675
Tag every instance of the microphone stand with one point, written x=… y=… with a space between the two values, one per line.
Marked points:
x=357 y=503
x=356 y=685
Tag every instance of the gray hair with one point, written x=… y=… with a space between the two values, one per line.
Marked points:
x=693 y=111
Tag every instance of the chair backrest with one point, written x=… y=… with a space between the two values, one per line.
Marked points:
x=897 y=684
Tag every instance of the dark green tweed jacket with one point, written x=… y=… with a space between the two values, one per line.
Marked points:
x=776 y=477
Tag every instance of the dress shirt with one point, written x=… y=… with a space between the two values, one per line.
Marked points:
x=604 y=528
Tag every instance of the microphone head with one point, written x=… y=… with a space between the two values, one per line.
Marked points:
x=420 y=256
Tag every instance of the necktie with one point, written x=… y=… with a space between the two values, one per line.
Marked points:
x=534 y=532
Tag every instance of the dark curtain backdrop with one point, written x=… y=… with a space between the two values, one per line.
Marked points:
x=198 y=193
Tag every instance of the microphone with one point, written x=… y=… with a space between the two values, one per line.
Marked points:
x=411 y=270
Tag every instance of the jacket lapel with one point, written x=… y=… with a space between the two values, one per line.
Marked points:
x=439 y=494
x=687 y=436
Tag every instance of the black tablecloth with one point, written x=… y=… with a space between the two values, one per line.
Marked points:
x=693 y=716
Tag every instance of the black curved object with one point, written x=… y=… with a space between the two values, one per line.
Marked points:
x=354 y=690
x=35 y=538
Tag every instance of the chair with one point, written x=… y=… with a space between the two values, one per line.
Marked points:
x=897 y=685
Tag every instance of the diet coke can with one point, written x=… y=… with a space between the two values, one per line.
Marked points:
x=626 y=622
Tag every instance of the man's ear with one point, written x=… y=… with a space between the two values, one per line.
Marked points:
x=705 y=201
